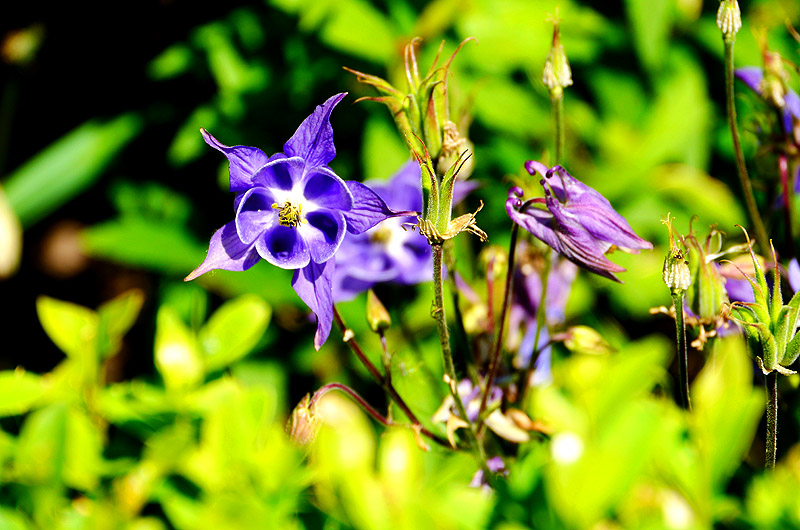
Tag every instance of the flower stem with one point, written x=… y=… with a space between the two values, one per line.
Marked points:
x=772 y=418
x=541 y=321
x=369 y=409
x=783 y=168
x=450 y=370
x=495 y=361
x=349 y=338
x=747 y=187
x=557 y=103
x=683 y=355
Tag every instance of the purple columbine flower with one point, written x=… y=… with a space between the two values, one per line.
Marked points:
x=386 y=253
x=293 y=211
x=578 y=222
x=389 y=253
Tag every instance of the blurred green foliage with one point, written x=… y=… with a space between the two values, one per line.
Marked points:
x=196 y=439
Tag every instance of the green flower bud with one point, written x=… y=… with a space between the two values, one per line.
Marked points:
x=303 y=425
x=707 y=294
x=583 y=339
x=557 y=73
x=729 y=19
x=676 y=273
x=377 y=315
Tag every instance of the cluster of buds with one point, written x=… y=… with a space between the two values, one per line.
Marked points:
x=769 y=325
x=421 y=113
x=421 y=110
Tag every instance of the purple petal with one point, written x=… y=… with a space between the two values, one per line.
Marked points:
x=595 y=213
x=323 y=233
x=226 y=252
x=326 y=189
x=284 y=247
x=368 y=209
x=254 y=214
x=313 y=140
x=751 y=76
x=794 y=275
x=243 y=161
x=313 y=285
x=280 y=173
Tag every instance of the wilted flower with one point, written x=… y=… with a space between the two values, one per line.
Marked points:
x=578 y=222
x=502 y=425
x=784 y=97
x=303 y=425
x=293 y=211
x=525 y=305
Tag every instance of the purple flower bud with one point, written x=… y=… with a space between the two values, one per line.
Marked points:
x=575 y=220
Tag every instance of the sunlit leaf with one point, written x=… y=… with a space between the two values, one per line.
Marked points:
x=73 y=328
x=19 y=391
x=233 y=330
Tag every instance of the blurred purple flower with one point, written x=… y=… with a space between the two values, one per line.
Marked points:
x=753 y=77
x=386 y=253
x=293 y=211
x=495 y=465
x=578 y=222
x=525 y=305
x=389 y=253
x=794 y=275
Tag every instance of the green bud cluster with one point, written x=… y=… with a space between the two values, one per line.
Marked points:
x=421 y=115
x=769 y=326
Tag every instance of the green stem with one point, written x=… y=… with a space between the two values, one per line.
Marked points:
x=349 y=338
x=744 y=180
x=557 y=103
x=541 y=321
x=495 y=362
x=772 y=419
x=447 y=355
x=683 y=354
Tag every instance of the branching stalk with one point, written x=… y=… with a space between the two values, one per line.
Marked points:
x=349 y=338
x=447 y=355
x=495 y=361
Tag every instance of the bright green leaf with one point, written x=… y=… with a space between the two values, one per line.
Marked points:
x=233 y=330
x=19 y=391
x=73 y=328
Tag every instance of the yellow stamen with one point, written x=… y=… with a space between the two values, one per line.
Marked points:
x=289 y=214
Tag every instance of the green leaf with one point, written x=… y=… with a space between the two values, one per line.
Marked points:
x=233 y=330
x=176 y=353
x=170 y=63
x=68 y=166
x=13 y=520
x=651 y=21
x=73 y=328
x=726 y=411
x=116 y=318
x=19 y=391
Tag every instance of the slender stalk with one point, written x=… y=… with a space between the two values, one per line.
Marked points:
x=369 y=409
x=495 y=361
x=541 y=321
x=783 y=169
x=557 y=103
x=772 y=419
x=349 y=338
x=744 y=180
x=683 y=355
x=447 y=355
